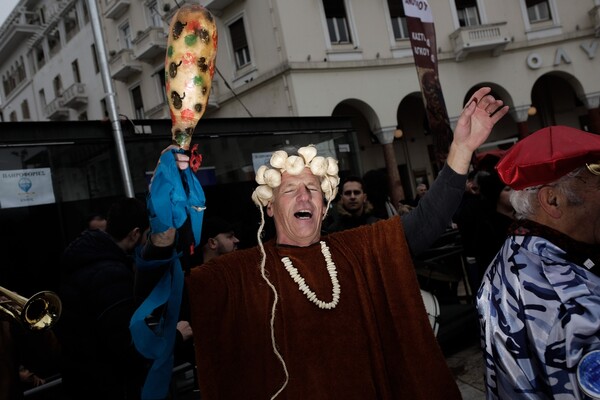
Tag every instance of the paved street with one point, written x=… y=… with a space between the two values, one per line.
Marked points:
x=467 y=367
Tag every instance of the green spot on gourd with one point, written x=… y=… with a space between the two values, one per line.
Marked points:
x=190 y=40
x=198 y=80
x=170 y=51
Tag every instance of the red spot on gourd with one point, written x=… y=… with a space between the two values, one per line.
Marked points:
x=188 y=115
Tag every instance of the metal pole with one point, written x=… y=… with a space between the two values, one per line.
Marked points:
x=110 y=97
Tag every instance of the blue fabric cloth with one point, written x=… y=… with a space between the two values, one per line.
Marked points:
x=156 y=343
x=174 y=196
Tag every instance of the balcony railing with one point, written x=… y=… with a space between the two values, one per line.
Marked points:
x=56 y=110
x=150 y=43
x=114 y=9
x=75 y=96
x=170 y=12
x=216 y=5
x=123 y=65
x=473 y=39
x=595 y=15
x=18 y=28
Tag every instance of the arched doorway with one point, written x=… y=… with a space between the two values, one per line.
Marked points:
x=555 y=97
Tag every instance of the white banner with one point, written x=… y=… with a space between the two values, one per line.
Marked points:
x=418 y=9
x=26 y=187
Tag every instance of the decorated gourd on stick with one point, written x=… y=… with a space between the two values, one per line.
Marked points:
x=189 y=68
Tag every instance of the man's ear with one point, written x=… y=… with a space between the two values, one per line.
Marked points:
x=270 y=209
x=134 y=234
x=212 y=243
x=550 y=201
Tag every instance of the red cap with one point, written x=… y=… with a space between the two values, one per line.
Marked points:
x=546 y=155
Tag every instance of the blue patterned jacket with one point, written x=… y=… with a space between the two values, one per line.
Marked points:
x=539 y=314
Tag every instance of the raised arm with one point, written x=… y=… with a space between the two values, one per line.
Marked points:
x=473 y=128
x=424 y=224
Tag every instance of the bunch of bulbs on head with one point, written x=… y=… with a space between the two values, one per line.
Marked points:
x=269 y=177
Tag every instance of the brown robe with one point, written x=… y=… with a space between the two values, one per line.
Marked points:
x=376 y=344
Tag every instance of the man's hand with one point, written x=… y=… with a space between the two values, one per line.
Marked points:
x=473 y=128
x=185 y=329
x=163 y=239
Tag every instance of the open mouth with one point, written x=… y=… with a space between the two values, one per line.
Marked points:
x=303 y=214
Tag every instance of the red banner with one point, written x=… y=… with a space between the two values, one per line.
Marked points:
x=419 y=20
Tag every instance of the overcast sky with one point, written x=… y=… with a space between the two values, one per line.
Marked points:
x=6 y=8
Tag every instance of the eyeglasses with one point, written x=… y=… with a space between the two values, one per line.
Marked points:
x=593 y=168
x=352 y=192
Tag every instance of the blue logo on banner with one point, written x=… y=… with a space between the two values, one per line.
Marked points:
x=25 y=184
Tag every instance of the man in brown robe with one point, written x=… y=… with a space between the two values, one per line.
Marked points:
x=336 y=317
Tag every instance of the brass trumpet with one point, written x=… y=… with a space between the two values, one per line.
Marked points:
x=39 y=312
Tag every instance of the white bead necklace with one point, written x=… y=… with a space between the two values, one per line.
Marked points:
x=312 y=296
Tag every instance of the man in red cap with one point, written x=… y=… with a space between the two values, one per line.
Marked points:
x=539 y=304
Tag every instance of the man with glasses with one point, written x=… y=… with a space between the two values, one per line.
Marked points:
x=539 y=304
x=353 y=209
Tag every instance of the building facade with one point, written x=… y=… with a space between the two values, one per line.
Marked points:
x=320 y=58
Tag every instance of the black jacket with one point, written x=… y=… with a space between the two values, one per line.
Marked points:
x=340 y=220
x=97 y=292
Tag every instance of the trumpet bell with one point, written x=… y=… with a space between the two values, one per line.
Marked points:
x=41 y=311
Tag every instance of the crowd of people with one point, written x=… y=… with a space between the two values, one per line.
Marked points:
x=331 y=307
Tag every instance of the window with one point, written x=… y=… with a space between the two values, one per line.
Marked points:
x=42 y=13
x=155 y=19
x=14 y=77
x=13 y=116
x=138 y=103
x=468 y=15
x=538 y=10
x=337 y=21
x=12 y=81
x=71 y=24
x=82 y=117
x=6 y=86
x=25 y=110
x=160 y=76
x=39 y=57
x=75 y=68
x=125 y=32
x=86 y=13
x=54 y=41
x=57 y=85
x=95 y=59
x=21 y=75
x=104 y=108
x=239 y=43
x=42 y=98
x=398 y=19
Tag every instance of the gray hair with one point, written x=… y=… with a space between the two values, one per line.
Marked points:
x=525 y=201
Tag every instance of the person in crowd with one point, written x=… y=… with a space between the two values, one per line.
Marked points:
x=218 y=238
x=483 y=220
x=338 y=316
x=97 y=293
x=377 y=187
x=404 y=208
x=539 y=303
x=26 y=357
x=472 y=186
x=492 y=225
x=420 y=190
x=95 y=221
x=353 y=209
